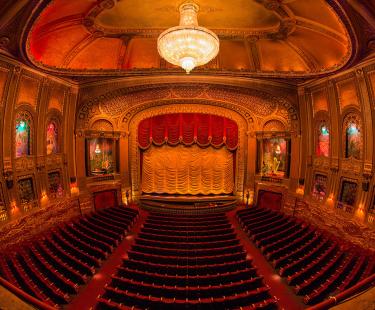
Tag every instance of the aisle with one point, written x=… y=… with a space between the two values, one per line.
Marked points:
x=286 y=298
x=86 y=298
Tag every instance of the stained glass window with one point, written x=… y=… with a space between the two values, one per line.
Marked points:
x=353 y=141
x=52 y=138
x=23 y=134
x=323 y=141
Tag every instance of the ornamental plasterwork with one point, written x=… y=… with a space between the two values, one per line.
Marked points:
x=54 y=160
x=322 y=162
x=339 y=223
x=351 y=166
x=187 y=108
x=25 y=163
x=4 y=76
x=249 y=102
x=205 y=104
x=282 y=31
x=102 y=125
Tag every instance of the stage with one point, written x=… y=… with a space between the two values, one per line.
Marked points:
x=188 y=203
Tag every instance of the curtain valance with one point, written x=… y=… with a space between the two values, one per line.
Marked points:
x=188 y=128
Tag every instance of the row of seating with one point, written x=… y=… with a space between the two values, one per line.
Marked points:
x=187 y=261
x=316 y=263
x=53 y=265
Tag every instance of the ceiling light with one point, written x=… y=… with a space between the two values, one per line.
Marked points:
x=188 y=45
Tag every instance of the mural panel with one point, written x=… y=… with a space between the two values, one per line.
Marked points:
x=55 y=184
x=101 y=157
x=273 y=154
x=26 y=190
x=348 y=192
x=319 y=190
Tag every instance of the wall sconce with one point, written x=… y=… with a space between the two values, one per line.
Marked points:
x=300 y=191
x=330 y=201
x=44 y=196
x=13 y=207
x=74 y=190
x=360 y=211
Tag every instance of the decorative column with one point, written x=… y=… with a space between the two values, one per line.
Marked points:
x=40 y=135
x=251 y=161
x=335 y=144
x=306 y=139
x=70 y=138
x=80 y=159
x=124 y=166
x=368 y=143
x=8 y=131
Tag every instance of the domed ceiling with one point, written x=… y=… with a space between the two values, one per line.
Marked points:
x=262 y=37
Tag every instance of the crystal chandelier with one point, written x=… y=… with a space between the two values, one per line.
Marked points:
x=188 y=45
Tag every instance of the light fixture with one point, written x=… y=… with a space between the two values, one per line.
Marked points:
x=188 y=45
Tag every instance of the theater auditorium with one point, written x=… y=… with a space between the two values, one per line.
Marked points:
x=199 y=154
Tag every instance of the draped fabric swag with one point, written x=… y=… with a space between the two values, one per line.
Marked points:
x=188 y=129
x=187 y=170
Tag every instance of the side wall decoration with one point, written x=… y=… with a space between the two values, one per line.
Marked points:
x=273 y=156
x=26 y=190
x=101 y=157
x=319 y=190
x=348 y=193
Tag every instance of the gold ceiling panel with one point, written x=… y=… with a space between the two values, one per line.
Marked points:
x=213 y=14
x=260 y=37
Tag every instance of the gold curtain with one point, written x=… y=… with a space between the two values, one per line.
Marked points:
x=187 y=170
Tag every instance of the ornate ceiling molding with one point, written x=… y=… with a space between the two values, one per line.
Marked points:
x=288 y=25
x=120 y=105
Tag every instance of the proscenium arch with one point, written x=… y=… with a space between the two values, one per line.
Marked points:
x=252 y=103
x=193 y=107
x=249 y=101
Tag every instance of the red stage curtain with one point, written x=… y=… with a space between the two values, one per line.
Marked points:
x=188 y=128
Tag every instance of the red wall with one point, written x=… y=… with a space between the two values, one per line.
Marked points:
x=105 y=199
x=269 y=200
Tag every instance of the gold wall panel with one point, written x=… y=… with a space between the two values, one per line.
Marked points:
x=320 y=101
x=28 y=91
x=56 y=100
x=347 y=93
x=3 y=79
x=240 y=62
